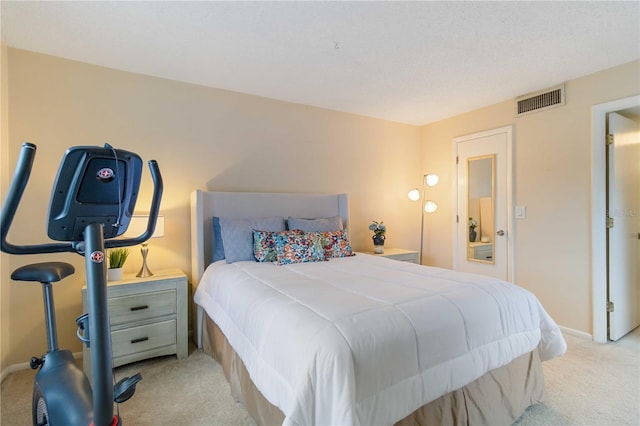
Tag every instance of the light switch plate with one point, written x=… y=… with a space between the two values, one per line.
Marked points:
x=521 y=212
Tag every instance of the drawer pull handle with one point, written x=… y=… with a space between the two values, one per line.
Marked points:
x=140 y=308
x=142 y=339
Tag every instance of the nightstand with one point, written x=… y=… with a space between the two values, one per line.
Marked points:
x=148 y=317
x=480 y=251
x=398 y=254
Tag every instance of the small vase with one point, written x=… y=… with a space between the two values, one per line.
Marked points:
x=114 y=274
x=378 y=244
x=472 y=235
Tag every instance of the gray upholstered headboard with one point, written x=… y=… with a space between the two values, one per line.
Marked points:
x=206 y=205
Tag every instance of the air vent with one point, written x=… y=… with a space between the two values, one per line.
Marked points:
x=539 y=101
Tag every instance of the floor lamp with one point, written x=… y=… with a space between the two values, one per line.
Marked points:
x=137 y=226
x=428 y=206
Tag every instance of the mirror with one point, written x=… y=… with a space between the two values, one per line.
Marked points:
x=480 y=208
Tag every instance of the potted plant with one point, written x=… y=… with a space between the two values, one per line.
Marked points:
x=472 y=229
x=117 y=257
x=379 y=230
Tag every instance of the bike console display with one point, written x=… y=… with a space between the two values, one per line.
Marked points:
x=94 y=184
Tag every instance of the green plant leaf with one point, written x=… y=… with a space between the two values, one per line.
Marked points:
x=117 y=257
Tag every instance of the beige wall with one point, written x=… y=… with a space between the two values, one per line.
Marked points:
x=552 y=172
x=4 y=161
x=202 y=138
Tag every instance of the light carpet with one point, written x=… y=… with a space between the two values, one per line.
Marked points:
x=592 y=384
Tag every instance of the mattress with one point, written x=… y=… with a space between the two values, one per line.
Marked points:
x=369 y=340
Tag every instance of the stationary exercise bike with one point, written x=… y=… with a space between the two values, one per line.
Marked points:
x=92 y=202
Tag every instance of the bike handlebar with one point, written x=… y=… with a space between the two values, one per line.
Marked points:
x=158 y=187
x=16 y=190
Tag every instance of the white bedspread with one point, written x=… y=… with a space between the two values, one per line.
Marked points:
x=367 y=340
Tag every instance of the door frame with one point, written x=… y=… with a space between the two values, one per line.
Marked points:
x=598 y=211
x=509 y=195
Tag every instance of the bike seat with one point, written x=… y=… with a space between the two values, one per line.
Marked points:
x=45 y=272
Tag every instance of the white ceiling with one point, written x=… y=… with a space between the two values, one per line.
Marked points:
x=411 y=62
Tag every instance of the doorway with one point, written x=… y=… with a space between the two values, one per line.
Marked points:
x=599 y=211
x=483 y=240
x=623 y=227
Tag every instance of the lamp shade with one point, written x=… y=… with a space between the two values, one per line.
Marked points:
x=138 y=225
x=430 y=206
x=414 y=194
x=431 y=180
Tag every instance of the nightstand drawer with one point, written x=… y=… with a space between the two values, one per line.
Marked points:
x=126 y=309
x=143 y=338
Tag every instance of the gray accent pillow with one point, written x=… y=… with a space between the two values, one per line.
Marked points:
x=237 y=235
x=316 y=225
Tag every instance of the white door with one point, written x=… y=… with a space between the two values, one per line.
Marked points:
x=483 y=182
x=624 y=237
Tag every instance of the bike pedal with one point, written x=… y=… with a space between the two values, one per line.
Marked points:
x=125 y=388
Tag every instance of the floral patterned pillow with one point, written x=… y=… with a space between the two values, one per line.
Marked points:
x=264 y=244
x=298 y=248
x=335 y=244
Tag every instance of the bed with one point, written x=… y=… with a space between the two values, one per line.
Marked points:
x=358 y=339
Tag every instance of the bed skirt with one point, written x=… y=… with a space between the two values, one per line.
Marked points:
x=497 y=398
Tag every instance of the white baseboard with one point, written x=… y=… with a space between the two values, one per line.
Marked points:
x=25 y=366
x=576 y=333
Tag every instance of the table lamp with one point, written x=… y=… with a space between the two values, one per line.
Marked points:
x=137 y=226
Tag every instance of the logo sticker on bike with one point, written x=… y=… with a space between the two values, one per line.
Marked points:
x=105 y=174
x=97 y=257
